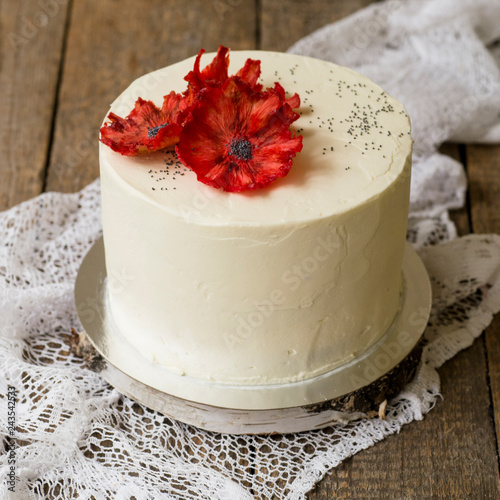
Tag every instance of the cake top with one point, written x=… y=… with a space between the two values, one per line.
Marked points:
x=356 y=143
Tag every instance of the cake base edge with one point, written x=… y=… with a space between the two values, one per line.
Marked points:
x=367 y=402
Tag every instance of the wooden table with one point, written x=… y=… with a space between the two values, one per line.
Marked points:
x=62 y=62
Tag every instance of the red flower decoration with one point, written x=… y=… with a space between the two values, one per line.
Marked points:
x=216 y=73
x=147 y=128
x=238 y=139
x=231 y=133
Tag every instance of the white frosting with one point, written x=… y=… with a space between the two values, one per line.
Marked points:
x=277 y=284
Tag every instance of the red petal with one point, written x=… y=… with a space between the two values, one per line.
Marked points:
x=194 y=77
x=213 y=74
x=205 y=130
x=293 y=101
x=276 y=158
x=250 y=73
x=216 y=71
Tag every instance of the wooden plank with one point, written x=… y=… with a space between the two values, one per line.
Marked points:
x=484 y=187
x=450 y=454
x=483 y=167
x=109 y=45
x=283 y=23
x=31 y=42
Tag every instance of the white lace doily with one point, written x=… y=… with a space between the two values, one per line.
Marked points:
x=78 y=437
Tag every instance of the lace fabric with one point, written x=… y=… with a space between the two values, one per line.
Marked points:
x=78 y=437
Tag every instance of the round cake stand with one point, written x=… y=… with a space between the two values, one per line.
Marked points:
x=351 y=391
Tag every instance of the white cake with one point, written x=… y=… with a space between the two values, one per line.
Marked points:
x=274 y=285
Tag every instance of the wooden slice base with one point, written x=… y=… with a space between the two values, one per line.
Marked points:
x=369 y=399
x=368 y=402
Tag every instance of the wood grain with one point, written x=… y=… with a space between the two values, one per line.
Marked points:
x=483 y=167
x=112 y=43
x=484 y=191
x=283 y=23
x=31 y=40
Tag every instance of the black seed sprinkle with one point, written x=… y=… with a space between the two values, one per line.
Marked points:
x=153 y=131
x=241 y=148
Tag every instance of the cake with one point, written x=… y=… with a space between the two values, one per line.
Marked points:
x=275 y=285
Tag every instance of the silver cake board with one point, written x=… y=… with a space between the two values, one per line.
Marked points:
x=351 y=391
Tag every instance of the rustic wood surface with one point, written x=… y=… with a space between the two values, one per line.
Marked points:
x=62 y=62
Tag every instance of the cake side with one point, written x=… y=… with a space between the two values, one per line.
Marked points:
x=280 y=284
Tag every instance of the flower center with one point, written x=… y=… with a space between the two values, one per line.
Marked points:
x=241 y=148
x=152 y=131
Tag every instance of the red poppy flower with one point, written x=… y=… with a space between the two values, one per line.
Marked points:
x=216 y=73
x=238 y=139
x=147 y=128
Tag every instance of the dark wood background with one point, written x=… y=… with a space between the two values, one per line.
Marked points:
x=62 y=62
